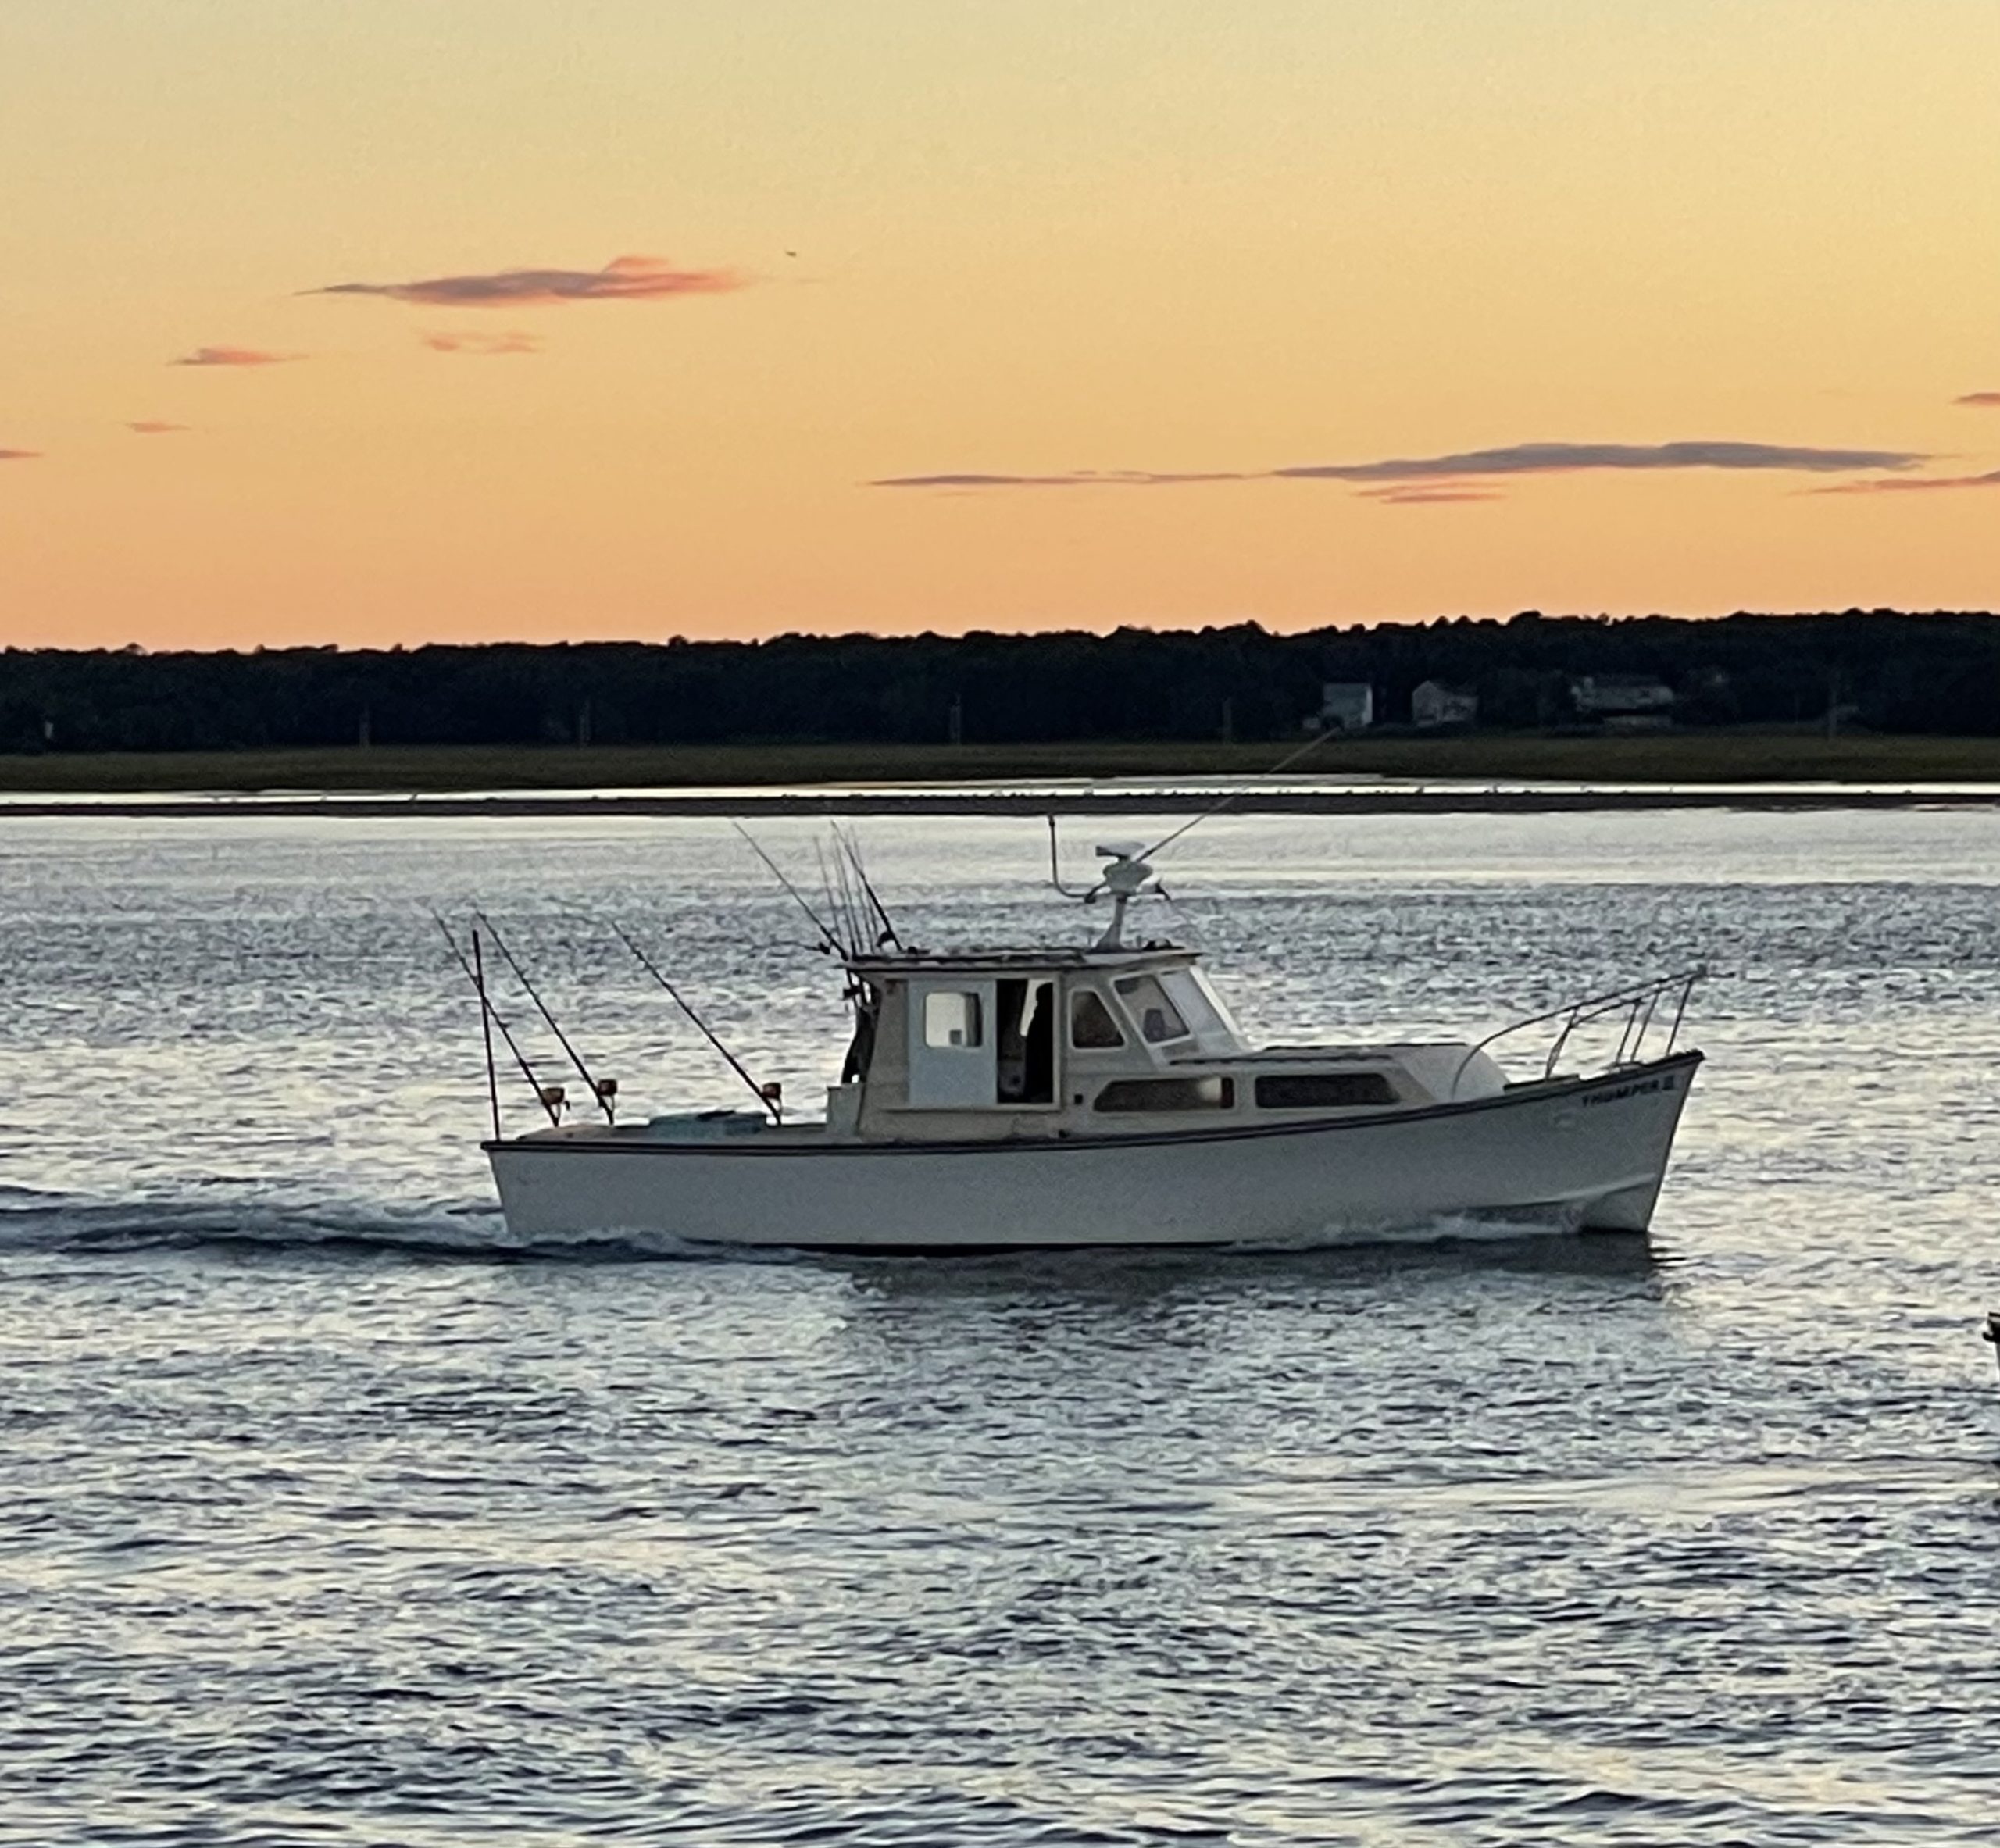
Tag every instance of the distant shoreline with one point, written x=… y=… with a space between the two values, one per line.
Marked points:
x=836 y=803
x=1684 y=761
x=1372 y=773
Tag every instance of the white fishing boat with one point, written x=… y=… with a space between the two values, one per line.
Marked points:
x=1016 y=1098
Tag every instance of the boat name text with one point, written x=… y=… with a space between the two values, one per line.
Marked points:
x=1638 y=1087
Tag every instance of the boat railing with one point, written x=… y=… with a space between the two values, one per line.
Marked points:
x=1640 y=1013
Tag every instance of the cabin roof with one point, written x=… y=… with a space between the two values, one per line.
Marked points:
x=906 y=963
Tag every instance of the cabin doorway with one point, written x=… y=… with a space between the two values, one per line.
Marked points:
x=979 y=1043
x=1025 y=1064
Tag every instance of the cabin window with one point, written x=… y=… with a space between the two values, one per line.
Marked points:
x=1024 y=1047
x=1158 y=1019
x=1323 y=1090
x=1091 y=1023
x=951 y=1019
x=1205 y=1016
x=1168 y=1093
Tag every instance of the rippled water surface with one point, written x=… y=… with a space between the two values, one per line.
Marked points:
x=327 y=1517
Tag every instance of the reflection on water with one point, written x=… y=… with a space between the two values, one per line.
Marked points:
x=1119 y=1276
x=330 y=1514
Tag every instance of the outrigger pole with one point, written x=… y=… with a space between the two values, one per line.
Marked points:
x=766 y=1101
x=576 y=1058
x=1235 y=796
x=486 y=1028
x=493 y=1018
x=1125 y=873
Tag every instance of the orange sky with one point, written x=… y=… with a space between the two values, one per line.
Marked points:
x=879 y=240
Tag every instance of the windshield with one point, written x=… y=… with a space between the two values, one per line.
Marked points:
x=1202 y=1008
x=1158 y=1018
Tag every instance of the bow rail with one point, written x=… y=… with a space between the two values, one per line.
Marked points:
x=1641 y=1006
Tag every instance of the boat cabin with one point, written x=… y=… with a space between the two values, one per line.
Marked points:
x=1012 y=1043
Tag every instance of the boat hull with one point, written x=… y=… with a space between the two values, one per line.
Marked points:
x=1581 y=1154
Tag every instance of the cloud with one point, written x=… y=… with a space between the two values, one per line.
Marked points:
x=20 y=454
x=1982 y=400
x=1564 y=458
x=1913 y=484
x=1077 y=478
x=152 y=426
x=1472 y=464
x=481 y=343
x=233 y=356
x=1438 y=496
x=623 y=279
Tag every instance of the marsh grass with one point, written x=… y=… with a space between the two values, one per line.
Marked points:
x=1730 y=756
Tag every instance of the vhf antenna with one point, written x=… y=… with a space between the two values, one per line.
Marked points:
x=1126 y=870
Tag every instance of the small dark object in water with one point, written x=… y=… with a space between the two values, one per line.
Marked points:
x=1991 y=1331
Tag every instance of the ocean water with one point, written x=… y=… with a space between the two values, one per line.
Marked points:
x=329 y=1516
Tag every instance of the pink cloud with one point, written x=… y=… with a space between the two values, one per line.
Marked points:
x=152 y=426
x=1430 y=494
x=481 y=343
x=233 y=356
x=623 y=279
x=1909 y=485
x=1455 y=472
x=20 y=454
x=1984 y=400
x=1434 y=496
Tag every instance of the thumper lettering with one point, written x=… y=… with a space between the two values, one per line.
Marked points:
x=1638 y=1087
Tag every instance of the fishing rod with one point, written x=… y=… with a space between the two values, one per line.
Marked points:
x=765 y=1100
x=604 y=1096
x=477 y=978
x=827 y=939
x=852 y=849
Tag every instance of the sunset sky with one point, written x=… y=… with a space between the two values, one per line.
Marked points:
x=403 y=320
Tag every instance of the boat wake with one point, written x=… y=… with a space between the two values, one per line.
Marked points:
x=1508 y=1227
x=474 y=1231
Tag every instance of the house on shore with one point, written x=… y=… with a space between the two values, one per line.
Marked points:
x=1623 y=702
x=1345 y=706
x=1435 y=704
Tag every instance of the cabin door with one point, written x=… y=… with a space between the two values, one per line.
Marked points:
x=953 y=1061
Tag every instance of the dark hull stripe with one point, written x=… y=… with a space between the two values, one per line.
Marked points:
x=1538 y=1093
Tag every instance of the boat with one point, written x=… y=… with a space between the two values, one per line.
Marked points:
x=1038 y=1097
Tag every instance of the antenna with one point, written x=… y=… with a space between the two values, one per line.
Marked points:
x=1126 y=869
x=1237 y=795
x=1055 y=870
x=1125 y=874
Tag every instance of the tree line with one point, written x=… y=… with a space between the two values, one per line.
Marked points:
x=1885 y=670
